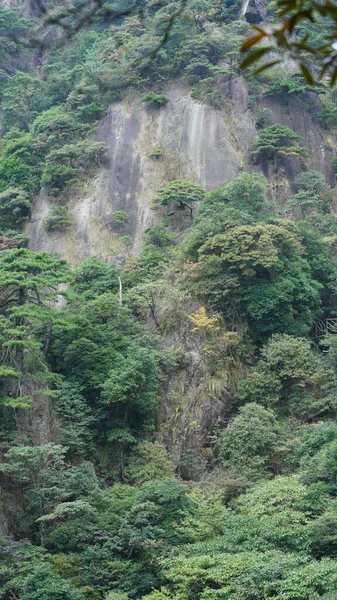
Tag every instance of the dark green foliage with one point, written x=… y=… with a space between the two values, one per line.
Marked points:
x=44 y=585
x=77 y=420
x=120 y=217
x=179 y=196
x=274 y=142
x=289 y=376
x=82 y=155
x=260 y=266
x=15 y=206
x=24 y=97
x=11 y=24
x=57 y=177
x=295 y=84
x=130 y=391
x=327 y=117
x=204 y=92
x=310 y=197
x=56 y=127
x=57 y=218
x=132 y=381
x=20 y=161
x=64 y=165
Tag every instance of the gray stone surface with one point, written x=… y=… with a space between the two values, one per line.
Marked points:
x=199 y=143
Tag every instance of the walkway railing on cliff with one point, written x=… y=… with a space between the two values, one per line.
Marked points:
x=326 y=326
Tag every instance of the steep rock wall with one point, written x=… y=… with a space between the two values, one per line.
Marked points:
x=199 y=143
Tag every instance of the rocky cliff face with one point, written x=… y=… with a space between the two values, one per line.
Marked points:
x=199 y=143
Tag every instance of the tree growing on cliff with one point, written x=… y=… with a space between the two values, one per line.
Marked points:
x=310 y=197
x=155 y=100
x=15 y=204
x=57 y=218
x=276 y=141
x=179 y=196
x=246 y=192
x=28 y=285
x=24 y=97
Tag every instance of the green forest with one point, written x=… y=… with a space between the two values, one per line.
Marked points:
x=97 y=358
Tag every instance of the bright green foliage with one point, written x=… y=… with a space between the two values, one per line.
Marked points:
x=155 y=100
x=245 y=193
x=93 y=278
x=179 y=196
x=219 y=575
x=290 y=376
x=246 y=444
x=274 y=142
x=57 y=218
x=120 y=217
x=148 y=461
x=248 y=248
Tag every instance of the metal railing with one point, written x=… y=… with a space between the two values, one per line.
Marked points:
x=326 y=326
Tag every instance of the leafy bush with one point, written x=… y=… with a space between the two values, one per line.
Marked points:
x=15 y=205
x=155 y=100
x=56 y=178
x=57 y=218
x=247 y=443
x=178 y=196
x=274 y=142
x=120 y=217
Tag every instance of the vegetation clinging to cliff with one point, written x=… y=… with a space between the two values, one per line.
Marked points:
x=223 y=302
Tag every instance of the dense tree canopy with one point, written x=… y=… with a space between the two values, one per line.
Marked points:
x=167 y=417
